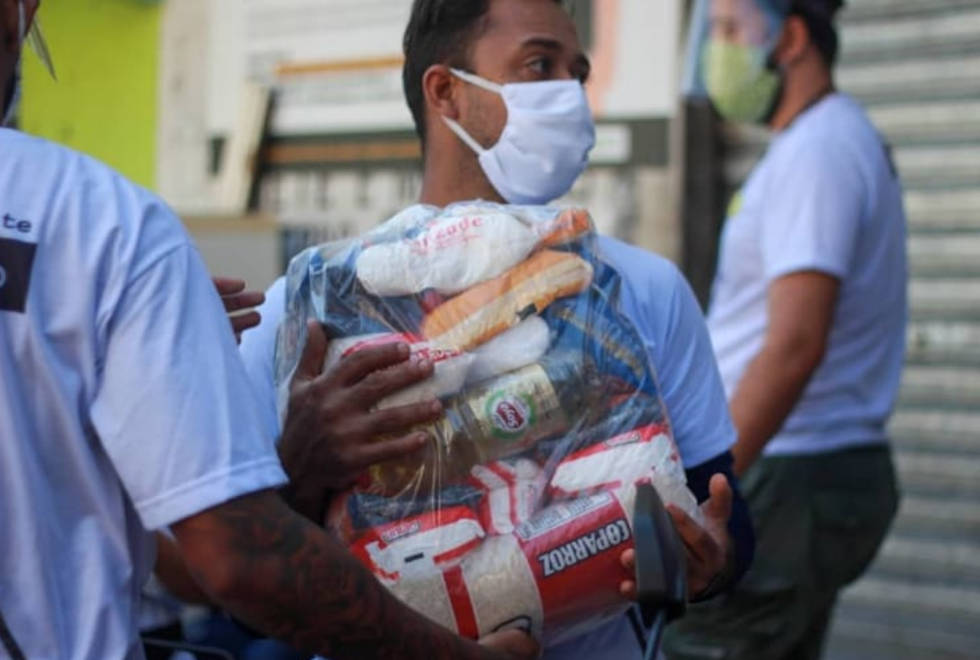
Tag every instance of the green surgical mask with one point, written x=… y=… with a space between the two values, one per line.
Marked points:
x=737 y=80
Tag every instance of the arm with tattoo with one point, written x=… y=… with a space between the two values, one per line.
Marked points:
x=283 y=575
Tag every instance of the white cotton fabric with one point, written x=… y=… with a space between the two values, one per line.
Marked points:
x=825 y=198
x=124 y=406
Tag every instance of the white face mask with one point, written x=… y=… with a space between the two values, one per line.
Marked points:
x=12 y=93
x=546 y=143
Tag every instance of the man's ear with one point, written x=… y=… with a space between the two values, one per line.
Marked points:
x=793 y=42
x=439 y=89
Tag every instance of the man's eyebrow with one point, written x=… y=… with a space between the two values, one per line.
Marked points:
x=543 y=42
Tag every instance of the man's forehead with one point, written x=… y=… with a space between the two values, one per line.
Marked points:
x=528 y=21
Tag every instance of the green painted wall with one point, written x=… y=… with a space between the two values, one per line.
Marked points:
x=104 y=102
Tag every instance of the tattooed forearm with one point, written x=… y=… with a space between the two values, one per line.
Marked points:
x=288 y=578
x=172 y=572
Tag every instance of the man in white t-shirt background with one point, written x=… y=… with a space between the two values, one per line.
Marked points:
x=125 y=409
x=807 y=318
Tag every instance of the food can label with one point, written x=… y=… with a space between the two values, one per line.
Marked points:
x=509 y=414
x=517 y=410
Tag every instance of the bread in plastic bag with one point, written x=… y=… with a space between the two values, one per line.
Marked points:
x=516 y=512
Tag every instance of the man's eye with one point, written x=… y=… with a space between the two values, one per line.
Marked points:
x=541 y=66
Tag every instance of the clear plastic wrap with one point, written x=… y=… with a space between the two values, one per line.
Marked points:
x=517 y=511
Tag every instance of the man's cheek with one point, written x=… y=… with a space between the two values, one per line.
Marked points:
x=489 y=119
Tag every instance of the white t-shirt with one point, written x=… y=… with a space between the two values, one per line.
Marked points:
x=124 y=406
x=824 y=198
x=659 y=301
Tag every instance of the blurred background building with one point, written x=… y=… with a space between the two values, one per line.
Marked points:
x=270 y=124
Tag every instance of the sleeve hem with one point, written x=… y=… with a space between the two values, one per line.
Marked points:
x=834 y=270
x=210 y=490
x=705 y=452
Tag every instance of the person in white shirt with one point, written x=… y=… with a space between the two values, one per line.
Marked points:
x=125 y=408
x=807 y=319
x=458 y=54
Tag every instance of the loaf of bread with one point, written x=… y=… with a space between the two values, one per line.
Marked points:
x=488 y=309
x=569 y=225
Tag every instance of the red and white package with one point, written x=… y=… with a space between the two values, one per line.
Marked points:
x=647 y=454
x=532 y=579
x=417 y=545
x=450 y=367
x=513 y=492
x=574 y=543
x=492 y=589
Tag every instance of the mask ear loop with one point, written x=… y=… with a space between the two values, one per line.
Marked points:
x=454 y=125
x=464 y=136
x=474 y=79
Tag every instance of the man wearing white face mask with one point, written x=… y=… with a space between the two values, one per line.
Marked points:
x=496 y=91
x=544 y=146
x=124 y=409
x=506 y=77
x=807 y=318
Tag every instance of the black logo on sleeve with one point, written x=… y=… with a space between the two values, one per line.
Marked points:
x=16 y=260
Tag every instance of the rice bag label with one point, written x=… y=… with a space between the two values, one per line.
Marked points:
x=584 y=547
x=556 y=517
x=575 y=543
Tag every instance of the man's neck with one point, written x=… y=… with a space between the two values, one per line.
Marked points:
x=801 y=90
x=448 y=178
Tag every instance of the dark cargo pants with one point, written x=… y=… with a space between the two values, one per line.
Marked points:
x=819 y=522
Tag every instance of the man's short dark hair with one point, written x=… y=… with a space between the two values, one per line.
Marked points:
x=438 y=32
x=819 y=18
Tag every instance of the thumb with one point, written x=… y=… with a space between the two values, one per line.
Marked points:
x=311 y=361
x=719 y=504
x=513 y=643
